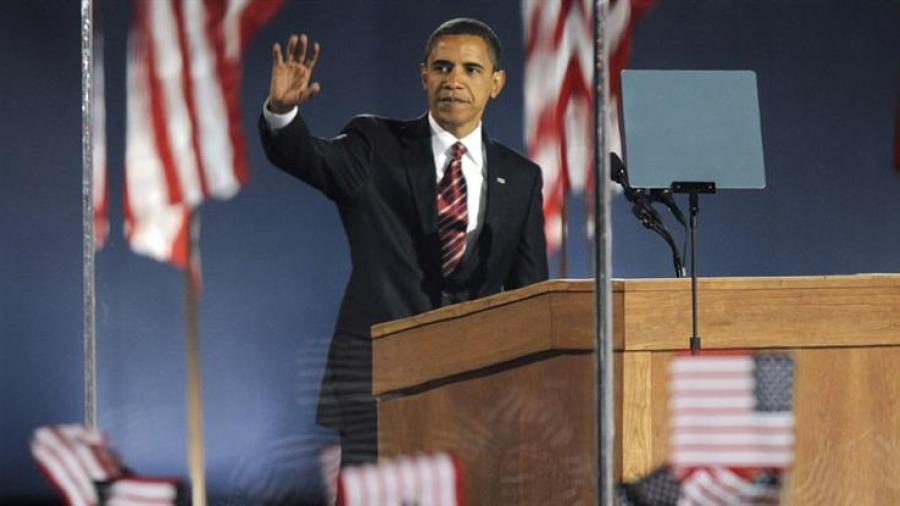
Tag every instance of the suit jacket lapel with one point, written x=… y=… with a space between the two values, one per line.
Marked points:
x=497 y=179
x=420 y=170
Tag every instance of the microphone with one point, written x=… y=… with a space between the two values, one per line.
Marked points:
x=641 y=206
x=661 y=195
x=664 y=196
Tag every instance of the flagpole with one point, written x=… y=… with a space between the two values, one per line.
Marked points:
x=87 y=212
x=196 y=458
x=604 y=407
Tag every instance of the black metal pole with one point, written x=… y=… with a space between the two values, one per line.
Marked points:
x=694 y=209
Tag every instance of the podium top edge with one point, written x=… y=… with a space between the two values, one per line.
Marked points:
x=473 y=306
x=760 y=282
x=586 y=286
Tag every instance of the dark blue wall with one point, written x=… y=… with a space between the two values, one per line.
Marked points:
x=828 y=88
x=40 y=257
x=274 y=257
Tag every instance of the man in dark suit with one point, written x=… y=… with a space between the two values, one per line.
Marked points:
x=434 y=210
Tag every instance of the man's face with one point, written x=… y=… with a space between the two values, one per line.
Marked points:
x=459 y=79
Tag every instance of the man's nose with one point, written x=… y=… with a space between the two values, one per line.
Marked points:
x=454 y=77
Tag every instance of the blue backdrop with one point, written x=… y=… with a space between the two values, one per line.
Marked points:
x=275 y=259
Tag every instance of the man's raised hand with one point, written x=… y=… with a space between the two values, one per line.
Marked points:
x=290 y=84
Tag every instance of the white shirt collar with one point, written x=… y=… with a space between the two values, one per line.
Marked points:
x=442 y=140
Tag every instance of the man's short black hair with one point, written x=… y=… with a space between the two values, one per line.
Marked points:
x=467 y=26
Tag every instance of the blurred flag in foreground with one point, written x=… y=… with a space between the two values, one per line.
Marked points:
x=427 y=480
x=732 y=426
x=140 y=491
x=732 y=432
x=85 y=472
x=732 y=411
x=329 y=470
x=73 y=457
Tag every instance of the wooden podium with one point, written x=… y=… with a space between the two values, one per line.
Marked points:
x=506 y=383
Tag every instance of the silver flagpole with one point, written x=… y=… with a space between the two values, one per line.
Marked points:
x=605 y=432
x=87 y=211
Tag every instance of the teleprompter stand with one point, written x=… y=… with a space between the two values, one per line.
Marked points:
x=692 y=132
x=693 y=190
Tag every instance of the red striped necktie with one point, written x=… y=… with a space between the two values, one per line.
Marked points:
x=453 y=212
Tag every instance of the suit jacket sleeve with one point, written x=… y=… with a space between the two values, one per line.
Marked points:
x=338 y=167
x=530 y=258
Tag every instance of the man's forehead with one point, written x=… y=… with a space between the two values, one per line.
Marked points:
x=469 y=47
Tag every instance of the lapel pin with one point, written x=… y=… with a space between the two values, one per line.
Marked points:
x=501 y=180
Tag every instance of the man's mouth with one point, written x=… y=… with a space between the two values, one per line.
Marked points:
x=452 y=100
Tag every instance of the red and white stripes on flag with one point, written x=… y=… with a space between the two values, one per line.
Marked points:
x=137 y=491
x=731 y=411
x=720 y=486
x=559 y=130
x=329 y=470
x=559 y=106
x=184 y=140
x=427 y=480
x=72 y=457
x=80 y=465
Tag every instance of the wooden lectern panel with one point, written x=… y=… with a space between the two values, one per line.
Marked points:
x=507 y=382
x=523 y=433
x=798 y=312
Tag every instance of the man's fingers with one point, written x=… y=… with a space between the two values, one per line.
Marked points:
x=291 y=47
x=313 y=57
x=295 y=52
x=300 y=55
x=310 y=92
x=276 y=54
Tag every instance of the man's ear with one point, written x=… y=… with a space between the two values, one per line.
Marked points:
x=499 y=78
x=423 y=73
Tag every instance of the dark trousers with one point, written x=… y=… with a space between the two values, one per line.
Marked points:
x=359 y=446
x=345 y=399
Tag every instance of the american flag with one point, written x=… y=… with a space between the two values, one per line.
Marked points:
x=79 y=463
x=184 y=141
x=425 y=480
x=73 y=457
x=329 y=470
x=732 y=433
x=715 y=486
x=732 y=410
x=559 y=127
x=659 y=488
x=721 y=486
x=732 y=426
x=139 y=491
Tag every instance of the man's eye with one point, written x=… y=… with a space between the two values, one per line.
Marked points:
x=473 y=69
x=442 y=68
